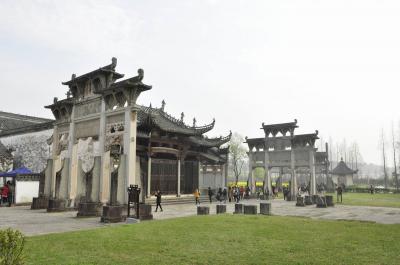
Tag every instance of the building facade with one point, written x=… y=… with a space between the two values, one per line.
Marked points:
x=289 y=152
x=102 y=141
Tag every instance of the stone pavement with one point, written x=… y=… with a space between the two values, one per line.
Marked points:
x=37 y=222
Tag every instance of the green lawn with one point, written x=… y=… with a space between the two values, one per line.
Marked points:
x=223 y=239
x=367 y=199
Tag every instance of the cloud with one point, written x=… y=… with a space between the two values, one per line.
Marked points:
x=86 y=26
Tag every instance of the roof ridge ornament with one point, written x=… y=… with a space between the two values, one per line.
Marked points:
x=162 y=105
x=182 y=116
x=113 y=63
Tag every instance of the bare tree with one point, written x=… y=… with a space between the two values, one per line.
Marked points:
x=237 y=153
x=394 y=160
x=382 y=143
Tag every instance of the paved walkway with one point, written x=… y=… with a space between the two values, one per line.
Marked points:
x=37 y=222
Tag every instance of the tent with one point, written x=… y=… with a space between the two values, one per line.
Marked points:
x=15 y=172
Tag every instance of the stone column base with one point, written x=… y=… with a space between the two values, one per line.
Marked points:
x=203 y=210
x=308 y=200
x=86 y=209
x=300 y=201
x=250 y=209
x=56 y=205
x=221 y=208
x=329 y=200
x=265 y=208
x=238 y=208
x=40 y=202
x=145 y=212
x=112 y=214
x=321 y=202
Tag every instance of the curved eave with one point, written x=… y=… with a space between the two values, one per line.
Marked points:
x=212 y=142
x=168 y=123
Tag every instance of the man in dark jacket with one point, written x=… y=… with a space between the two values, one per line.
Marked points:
x=158 y=200
x=210 y=194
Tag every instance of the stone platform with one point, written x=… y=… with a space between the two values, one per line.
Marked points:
x=86 y=209
x=40 y=202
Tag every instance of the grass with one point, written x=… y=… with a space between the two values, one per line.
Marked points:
x=367 y=199
x=223 y=239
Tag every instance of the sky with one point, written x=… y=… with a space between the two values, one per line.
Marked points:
x=332 y=65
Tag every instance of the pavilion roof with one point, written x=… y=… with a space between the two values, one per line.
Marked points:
x=168 y=123
x=283 y=128
x=342 y=169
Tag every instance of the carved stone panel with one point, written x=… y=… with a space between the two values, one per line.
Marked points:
x=86 y=154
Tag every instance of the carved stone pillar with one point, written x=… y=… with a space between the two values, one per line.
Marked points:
x=293 y=186
x=149 y=176
x=201 y=182
x=130 y=148
x=52 y=181
x=313 y=184
x=73 y=158
x=178 y=193
x=251 y=186
x=103 y=191
x=267 y=176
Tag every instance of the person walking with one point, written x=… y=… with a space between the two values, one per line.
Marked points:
x=4 y=194
x=210 y=194
x=230 y=193
x=225 y=194
x=339 y=191
x=158 y=200
x=11 y=193
x=197 y=196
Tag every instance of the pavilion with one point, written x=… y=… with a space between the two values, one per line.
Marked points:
x=342 y=174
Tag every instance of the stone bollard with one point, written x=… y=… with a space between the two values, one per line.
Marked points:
x=329 y=200
x=300 y=201
x=203 y=210
x=40 y=202
x=56 y=205
x=238 y=208
x=113 y=214
x=321 y=202
x=265 y=208
x=86 y=209
x=221 y=208
x=308 y=200
x=250 y=209
x=145 y=212
x=314 y=198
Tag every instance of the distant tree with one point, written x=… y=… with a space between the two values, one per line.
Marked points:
x=382 y=145
x=394 y=160
x=237 y=155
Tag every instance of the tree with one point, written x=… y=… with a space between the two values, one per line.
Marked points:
x=394 y=160
x=237 y=155
x=382 y=143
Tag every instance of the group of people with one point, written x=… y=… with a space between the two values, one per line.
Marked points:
x=7 y=194
x=232 y=194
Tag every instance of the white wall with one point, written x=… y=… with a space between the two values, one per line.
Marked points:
x=26 y=190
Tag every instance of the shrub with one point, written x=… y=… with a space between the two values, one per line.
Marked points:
x=11 y=246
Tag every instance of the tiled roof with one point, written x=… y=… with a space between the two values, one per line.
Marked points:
x=11 y=121
x=342 y=169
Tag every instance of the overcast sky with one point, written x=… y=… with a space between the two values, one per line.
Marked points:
x=333 y=65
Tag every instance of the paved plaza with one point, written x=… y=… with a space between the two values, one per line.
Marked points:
x=37 y=222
